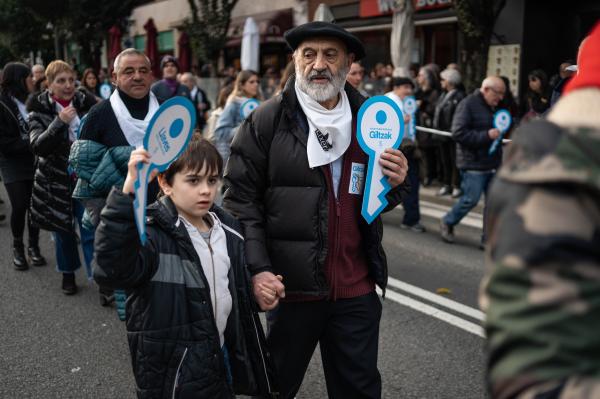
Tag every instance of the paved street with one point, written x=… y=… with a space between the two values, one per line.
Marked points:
x=431 y=346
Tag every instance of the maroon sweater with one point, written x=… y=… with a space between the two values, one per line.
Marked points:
x=346 y=265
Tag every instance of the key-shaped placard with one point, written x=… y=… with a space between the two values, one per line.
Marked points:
x=168 y=134
x=380 y=126
x=502 y=121
x=248 y=106
x=410 y=107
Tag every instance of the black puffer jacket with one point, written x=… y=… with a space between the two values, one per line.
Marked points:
x=16 y=159
x=173 y=338
x=472 y=121
x=283 y=204
x=49 y=137
x=444 y=112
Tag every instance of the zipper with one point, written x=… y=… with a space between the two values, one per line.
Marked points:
x=214 y=278
x=260 y=350
x=177 y=373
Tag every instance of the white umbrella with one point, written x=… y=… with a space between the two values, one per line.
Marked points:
x=250 y=45
x=324 y=14
x=403 y=33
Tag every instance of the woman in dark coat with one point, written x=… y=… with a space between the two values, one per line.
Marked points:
x=53 y=126
x=537 y=97
x=17 y=160
x=427 y=95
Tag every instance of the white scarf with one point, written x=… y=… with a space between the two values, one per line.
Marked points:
x=133 y=129
x=333 y=127
x=22 y=109
x=73 y=125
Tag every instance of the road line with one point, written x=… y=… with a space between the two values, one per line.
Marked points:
x=434 y=312
x=440 y=300
x=467 y=220
x=445 y=208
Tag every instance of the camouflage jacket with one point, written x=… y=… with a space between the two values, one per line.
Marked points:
x=541 y=292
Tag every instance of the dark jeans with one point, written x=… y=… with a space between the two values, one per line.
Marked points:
x=474 y=184
x=450 y=174
x=67 y=248
x=347 y=331
x=412 y=213
x=19 y=194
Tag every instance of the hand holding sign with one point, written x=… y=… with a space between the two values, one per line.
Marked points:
x=380 y=126
x=168 y=134
x=502 y=121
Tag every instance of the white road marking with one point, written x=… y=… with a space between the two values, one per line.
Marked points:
x=435 y=298
x=434 y=312
x=436 y=213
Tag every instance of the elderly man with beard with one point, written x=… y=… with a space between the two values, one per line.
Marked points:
x=314 y=260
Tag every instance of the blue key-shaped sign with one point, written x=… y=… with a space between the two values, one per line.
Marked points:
x=168 y=134
x=248 y=106
x=502 y=122
x=380 y=126
x=410 y=107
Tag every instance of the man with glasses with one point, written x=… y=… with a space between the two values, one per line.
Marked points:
x=474 y=132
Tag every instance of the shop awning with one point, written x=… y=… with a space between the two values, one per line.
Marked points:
x=271 y=26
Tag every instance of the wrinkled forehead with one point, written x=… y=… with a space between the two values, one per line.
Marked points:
x=133 y=60
x=323 y=43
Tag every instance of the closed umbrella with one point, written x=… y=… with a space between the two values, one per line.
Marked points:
x=114 y=39
x=403 y=33
x=152 y=46
x=184 y=52
x=250 y=45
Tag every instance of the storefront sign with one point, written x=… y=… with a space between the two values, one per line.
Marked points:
x=168 y=134
x=380 y=126
x=375 y=8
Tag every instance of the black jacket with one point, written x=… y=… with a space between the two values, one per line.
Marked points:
x=283 y=203
x=444 y=112
x=472 y=121
x=173 y=338
x=49 y=137
x=163 y=93
x=16 y=158
x=425 y=115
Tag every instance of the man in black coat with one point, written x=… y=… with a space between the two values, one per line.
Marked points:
x=294 y=181
x=474 y=132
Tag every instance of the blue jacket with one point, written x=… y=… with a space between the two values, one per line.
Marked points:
x=227 y=125
x=472 y=121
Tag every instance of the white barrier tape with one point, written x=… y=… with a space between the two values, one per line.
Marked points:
x=447 y=134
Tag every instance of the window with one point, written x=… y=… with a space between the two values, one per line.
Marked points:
x=165 y=41
x=139 y=42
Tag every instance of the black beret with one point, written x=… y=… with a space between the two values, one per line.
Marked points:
x=401 y=81
x=297 y=35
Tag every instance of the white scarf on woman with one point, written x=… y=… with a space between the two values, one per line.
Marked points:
x=133 y=129
x=330 y=131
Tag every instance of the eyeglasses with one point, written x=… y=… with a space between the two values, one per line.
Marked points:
x=497 y=92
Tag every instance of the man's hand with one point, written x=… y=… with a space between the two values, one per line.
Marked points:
x=394 y=165
x=494 y=133
x=267 y=289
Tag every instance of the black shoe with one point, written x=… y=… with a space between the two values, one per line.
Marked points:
x=417 y=227
x=447 y=232
x=35 y=257
x=19 y=260
x=68 y=284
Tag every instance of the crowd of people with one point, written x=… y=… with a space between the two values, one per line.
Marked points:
x=289 y=238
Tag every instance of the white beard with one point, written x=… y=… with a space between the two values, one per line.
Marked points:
x=321 y=92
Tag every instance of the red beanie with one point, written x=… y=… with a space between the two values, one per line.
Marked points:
x=588 y=63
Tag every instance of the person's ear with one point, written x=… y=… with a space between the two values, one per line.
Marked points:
x=164 y=185
x=351 y=58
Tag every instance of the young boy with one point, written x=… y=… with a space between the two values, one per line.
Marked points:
x=191 y=323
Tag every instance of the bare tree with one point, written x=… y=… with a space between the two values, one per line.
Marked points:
x=208 y=27
x=476 y=19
